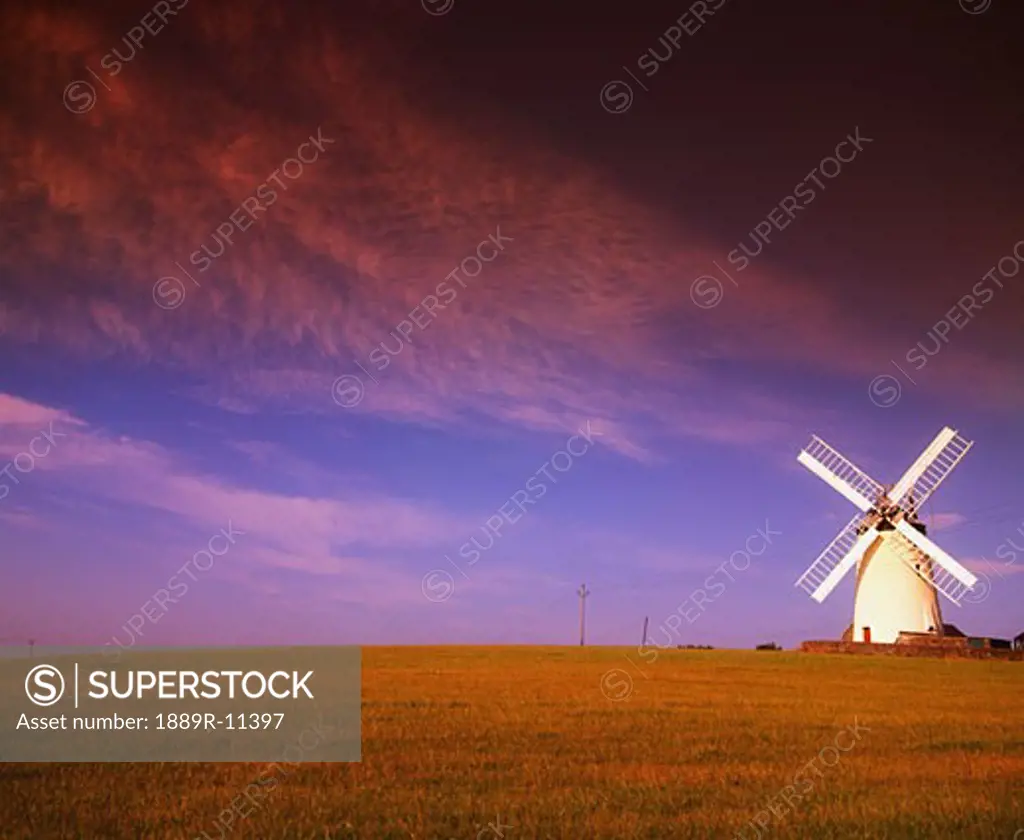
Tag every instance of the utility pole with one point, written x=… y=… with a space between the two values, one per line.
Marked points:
x=644 y=642
x=583 y=593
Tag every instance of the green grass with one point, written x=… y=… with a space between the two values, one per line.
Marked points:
x=453 y=738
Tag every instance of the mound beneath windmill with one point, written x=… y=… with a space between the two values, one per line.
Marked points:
x=949 y=631
x=951 y=643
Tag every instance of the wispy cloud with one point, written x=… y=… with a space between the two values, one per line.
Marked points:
x=550 y=333
x=297 y=532
x=944 y=521
x=992 y=568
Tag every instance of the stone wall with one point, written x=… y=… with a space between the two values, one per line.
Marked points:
x=951 y=648
x=932 y=640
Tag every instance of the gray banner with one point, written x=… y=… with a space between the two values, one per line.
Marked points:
x=289 y=704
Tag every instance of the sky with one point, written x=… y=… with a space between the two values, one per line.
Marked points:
x=296 y=307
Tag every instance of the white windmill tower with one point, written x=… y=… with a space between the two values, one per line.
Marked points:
x=898 y=568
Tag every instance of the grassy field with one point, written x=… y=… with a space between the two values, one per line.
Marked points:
x=526 y=743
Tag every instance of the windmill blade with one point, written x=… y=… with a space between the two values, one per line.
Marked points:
x=840 y=473
x=930 y=470
x=931 y=573
x=926 y=546
x=916 y=469
x=824 y=574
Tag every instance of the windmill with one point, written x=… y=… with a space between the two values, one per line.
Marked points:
x=899 y=569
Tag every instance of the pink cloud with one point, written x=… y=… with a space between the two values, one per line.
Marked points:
x=992 y=569
x=15 y=411
x=943 y=521
x=301 y=532
x=593 y=291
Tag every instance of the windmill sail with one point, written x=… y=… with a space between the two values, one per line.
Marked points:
x=837 y=559
x=921 y=564
x=840 y=473
x=929 y=548
x=930 y=470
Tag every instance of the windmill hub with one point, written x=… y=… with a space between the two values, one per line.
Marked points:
x=884 y=516
x=899 y=569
